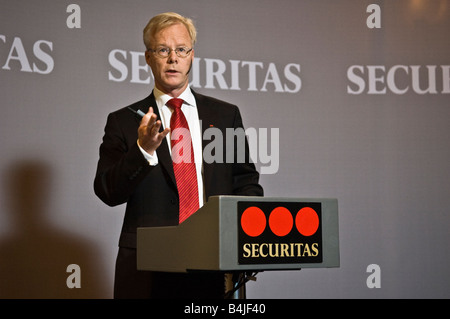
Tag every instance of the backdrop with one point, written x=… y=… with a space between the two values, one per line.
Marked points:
x=353 y=96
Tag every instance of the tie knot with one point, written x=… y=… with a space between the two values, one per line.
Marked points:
x=175 y=103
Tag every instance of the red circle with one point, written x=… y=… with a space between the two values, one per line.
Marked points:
x=307 y=221
x=281 y=221
x=253 y=221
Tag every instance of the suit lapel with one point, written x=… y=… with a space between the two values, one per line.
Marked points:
x=205 y=114
x=207 y=119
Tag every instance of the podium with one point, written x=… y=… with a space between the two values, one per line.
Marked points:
x=246 y=233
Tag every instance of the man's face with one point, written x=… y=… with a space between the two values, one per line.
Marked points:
x=171 y=73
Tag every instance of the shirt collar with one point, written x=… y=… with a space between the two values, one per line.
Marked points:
x=186 y=95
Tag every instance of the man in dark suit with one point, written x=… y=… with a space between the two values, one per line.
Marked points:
x=135 y=164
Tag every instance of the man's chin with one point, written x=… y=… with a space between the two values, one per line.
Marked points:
x=170 y=86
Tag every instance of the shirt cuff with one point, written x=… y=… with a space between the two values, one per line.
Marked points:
x=152 y=159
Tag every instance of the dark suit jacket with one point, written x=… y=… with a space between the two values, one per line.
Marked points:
x=124 y=175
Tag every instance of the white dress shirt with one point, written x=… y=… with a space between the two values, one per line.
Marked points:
x=190 y=111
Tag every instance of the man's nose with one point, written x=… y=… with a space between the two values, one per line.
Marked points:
x=172 y=58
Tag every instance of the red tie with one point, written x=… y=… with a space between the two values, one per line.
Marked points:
x=183 y=161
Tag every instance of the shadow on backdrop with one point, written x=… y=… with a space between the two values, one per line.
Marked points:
x=35 y=255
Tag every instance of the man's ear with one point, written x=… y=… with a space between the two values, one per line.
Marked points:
x=147 y=57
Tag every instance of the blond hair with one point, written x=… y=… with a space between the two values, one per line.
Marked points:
x=164 y=20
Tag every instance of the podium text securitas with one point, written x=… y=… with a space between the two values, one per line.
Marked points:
x=275 y=233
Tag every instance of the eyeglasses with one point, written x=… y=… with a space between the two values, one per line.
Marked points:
x=163 y=52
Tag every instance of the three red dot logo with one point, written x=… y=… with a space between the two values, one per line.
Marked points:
x=281 y=221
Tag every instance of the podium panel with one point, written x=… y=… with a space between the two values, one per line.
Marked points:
x=246 y=233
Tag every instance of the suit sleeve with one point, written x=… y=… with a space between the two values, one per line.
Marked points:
x=121 y=166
